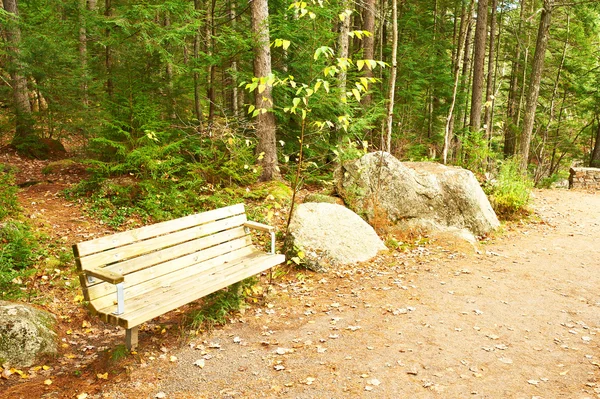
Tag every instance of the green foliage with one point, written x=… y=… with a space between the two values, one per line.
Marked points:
x=510 y=193
x=9 y=206
x=219 y=305
x=163 y=175
x=18 y=243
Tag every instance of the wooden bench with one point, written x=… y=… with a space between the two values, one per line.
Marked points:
x=134 y=276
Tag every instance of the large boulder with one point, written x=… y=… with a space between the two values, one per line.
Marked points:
x=26 y=334
x=331 y=235
x=416 y=194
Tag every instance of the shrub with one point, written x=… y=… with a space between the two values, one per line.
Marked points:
x=511 y=192
x=9 y=206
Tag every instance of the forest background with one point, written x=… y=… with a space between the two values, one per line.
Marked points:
x=190 y=100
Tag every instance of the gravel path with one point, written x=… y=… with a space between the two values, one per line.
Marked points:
x=517 y=319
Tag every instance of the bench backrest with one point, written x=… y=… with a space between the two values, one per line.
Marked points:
x=154 y=255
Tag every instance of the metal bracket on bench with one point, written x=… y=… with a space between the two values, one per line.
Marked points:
x=120 y=300
x=272 y=243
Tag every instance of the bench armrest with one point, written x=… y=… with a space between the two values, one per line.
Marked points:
x=112 y=278
x=258 y=226
x=105 y=275
x=263 y=227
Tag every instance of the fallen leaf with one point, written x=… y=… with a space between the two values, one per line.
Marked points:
x=102 y=376
x=82 y=395
x=310 y=380
x=160 y=395
x=533 y=382
x=353 y=328
x=173 y=359
x=505 y=360
x=200 y=363
x=48 y=382
x=279 y=367
x=283 y=351
x=375 y=382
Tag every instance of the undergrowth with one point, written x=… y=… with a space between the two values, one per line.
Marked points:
x=510 y=193
x=219 y=305
x=19 y=246
x=152 y=181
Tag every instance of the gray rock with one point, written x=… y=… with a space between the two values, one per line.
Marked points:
x=26 y=334
x=416 y=194
x=330 y=235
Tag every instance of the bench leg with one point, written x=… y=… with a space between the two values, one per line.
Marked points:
x=131 y=338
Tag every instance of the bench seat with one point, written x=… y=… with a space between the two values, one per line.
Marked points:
x=132 y=277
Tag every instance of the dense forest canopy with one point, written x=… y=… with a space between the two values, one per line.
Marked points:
x=230 y=91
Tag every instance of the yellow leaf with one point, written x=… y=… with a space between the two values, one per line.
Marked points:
x=46 y=367
x=70 y=356
x=261 y=88
x=356 y=94
x=78 y=299
x=173 y=359
x=36 y=368
x=360 y=64
x=82 y=395
x=102 y=376
x=69 y=332
x=48 y=382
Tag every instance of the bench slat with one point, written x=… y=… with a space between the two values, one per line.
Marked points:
x=178 y=251
x=146 y=284
x=153 y=244
x=143 y=233
x=160 y=302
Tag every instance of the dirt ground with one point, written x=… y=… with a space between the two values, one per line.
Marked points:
x=517 y=317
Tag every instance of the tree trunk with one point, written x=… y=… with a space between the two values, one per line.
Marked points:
x=211 y=73
x=169 y=77
x=595 y=161
x=83 y=4
x=368 y=43
x=197 y=101
x=265 y=121
x=108 y=62
x=478 y=65
x=465 y=21
x=24 y=130
x=392 y=91
x=534 y=84
x=510 y=133
x=489 y=93
x=466 y=73
x=344 y=45
x=234 y=65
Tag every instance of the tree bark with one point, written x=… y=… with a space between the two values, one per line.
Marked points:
x=534 y=84
x=197 y=101
x=108 y=62
x=368 y=43
x=478 y=65
x=595 y=160
x=265 y=121
x=211 y=73
x=392 y=91
x=510 y=133
x=24 y=129
x=465 y=21
x=490 y=75
x=344 y=46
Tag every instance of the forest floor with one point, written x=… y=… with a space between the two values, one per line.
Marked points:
x=516 y=317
